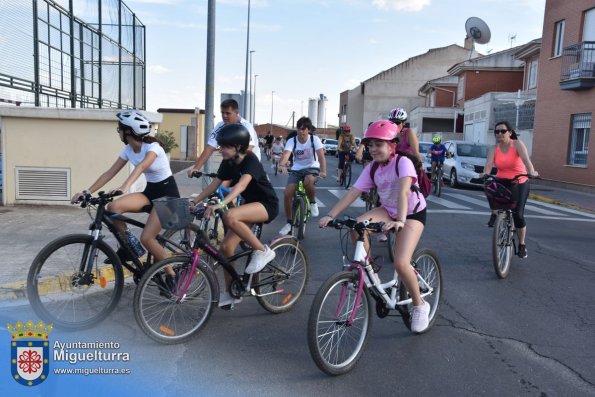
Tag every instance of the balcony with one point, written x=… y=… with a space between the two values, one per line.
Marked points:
x=578 y=66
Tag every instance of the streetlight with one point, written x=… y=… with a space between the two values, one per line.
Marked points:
x=254 y=101
x=272 y=97
x=245 y=109
x=248 y=114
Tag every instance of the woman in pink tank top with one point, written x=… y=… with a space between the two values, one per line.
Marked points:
x=511 y=158
x=406 y=138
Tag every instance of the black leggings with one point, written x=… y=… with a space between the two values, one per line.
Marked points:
x=520 y=193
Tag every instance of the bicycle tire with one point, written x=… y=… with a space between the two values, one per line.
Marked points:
x=334 y=345
x=427 y=265
x=159 y=312
x=391 y=240
x=51 y=283
x=347 y=176
x=502 y=245
x=276 y=167
x=298 y=212
x=289 y=272
x=437 y=183
x=184 y=237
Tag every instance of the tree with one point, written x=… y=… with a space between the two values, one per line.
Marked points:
x=167 y=140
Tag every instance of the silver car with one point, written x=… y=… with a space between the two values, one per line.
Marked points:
x=464 y=162
x=330 y=146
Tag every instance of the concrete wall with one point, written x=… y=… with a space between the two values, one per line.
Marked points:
x=78 y=143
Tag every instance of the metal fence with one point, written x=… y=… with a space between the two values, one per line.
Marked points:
x=72 y=53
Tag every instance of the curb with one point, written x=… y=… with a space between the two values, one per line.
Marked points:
x=558 y=202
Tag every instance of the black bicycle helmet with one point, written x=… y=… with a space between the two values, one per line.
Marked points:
x=234 y=135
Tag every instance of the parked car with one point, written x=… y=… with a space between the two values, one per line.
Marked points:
x=330 y=146
x=424 y=151
x=464 y=162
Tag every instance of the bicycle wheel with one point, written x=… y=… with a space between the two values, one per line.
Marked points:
x=282 y=282
x=58 y=291
x=276 y=167
x=502 y=244
x=391 y=241
x=437 y=183
x=426 y=264
x=183 y=237
x=336 y=345
x=347 y=176
x=299 y=213
x=161 y=313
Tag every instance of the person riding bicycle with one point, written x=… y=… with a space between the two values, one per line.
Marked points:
x=230 y=115
x=277 y=149
x=437 y=154
x=406 y=138
x=268 y=143
x=511 y=158
x=148 y=157
x=308 y=160
x=402 y=208
x=260 y=203
x=362 y=153
x=345 y=146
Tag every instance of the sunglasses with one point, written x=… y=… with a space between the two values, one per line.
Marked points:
x=500 y=131
x=303 y=128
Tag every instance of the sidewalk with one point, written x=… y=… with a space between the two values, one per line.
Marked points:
x=24 y=229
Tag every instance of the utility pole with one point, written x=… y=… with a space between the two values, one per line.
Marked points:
x=210 y=78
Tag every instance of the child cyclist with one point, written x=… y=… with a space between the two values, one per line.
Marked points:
x=437 y=153
x=402 y=208
x=260 y=203
x=277 y=150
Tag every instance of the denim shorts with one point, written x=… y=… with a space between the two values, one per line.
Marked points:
x=294 y=176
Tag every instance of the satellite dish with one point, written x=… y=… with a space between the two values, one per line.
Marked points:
x=477 y=30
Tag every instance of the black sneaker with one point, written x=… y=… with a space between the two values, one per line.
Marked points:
x=492 y=220
x=122 y=254
x=522 y=253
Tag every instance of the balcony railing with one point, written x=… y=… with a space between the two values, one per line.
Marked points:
x=578 y=66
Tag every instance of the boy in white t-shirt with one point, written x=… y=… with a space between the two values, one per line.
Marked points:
x=309 y=161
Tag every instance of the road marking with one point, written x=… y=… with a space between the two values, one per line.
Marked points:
x=446 y=203
x=339 y=193
x=482 y=203
x=561 y=208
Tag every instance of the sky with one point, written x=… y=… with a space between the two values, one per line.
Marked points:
x=304 y=48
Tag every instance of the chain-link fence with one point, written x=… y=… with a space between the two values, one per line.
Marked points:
x=71 y=53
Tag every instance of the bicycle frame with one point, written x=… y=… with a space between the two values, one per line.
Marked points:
x=368 y=277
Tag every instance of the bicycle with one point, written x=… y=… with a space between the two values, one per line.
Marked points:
x=345 y=175
x=503 y=239
x=174 y=315
x=276 y=158
x=76 y=280
x=300 y=208
x=340 y=318
x=214 y=227
x=437 y=181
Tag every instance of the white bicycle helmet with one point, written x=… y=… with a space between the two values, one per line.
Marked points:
x=398 y=114
x=139 y=124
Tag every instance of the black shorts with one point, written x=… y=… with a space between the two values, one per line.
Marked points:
x=166 y=188
x=419 y=216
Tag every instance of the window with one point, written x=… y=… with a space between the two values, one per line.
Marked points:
x=532 y=79
x=579 y=139
x=559 y=38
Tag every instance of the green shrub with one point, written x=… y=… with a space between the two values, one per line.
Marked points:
x=167 y=140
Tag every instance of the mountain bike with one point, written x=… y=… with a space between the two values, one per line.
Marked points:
x=175 y=313
x=504 y=244
x=437 y=181
x=300 y=208
x=76 y=280
x=345 y=175
x=340 y=318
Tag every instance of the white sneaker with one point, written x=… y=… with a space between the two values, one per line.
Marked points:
x=260 y=259
x=314 y=209
x=420 y=318
x=285 y=230
x=225 y=299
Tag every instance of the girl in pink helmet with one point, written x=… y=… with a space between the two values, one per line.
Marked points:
x=402 y=208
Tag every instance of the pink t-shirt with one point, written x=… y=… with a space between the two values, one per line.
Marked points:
x=387 y=185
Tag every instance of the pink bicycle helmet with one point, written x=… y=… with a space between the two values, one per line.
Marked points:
x=382 y=129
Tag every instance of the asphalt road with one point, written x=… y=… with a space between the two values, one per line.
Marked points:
x=532 y=333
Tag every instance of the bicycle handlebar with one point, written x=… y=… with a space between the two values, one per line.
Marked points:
x=198 y=174
x=101 y=199
x=489 y=178
x=351 y=223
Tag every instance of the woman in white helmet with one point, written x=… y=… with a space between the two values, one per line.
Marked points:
x=148 y=157
x=407 y=140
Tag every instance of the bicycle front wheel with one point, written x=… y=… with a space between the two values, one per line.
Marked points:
x=182 y=238
x=336 y=344
x=438 y=183
x=347 y=176
x=299 y=213
x=429 y=275
x=59 y=290
x=281 y=284
x=164 y=311
x=502 y=245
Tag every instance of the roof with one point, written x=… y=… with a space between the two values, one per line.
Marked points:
x=440 y=81
x=502 y=60
x=528 y=50
x=176 y=110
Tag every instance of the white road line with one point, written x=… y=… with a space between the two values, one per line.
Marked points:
x=339 y=193
x=486 y=213
x=482 y=203
x=561 y=208
x=446 y=203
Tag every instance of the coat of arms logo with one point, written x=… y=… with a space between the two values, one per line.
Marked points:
x=29 y=351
